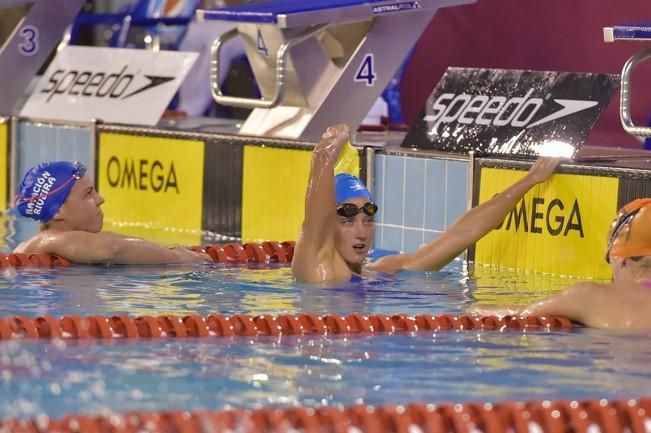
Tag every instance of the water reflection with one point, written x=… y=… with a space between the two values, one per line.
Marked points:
x=492 y=286
x=206 y=289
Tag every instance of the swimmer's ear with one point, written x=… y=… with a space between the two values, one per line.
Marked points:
x=59 y=216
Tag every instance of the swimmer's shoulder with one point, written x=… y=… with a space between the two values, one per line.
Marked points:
x=45 y=241
x=33 y=245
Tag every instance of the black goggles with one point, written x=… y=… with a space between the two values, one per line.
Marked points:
x=623 y=219
x=349 y=210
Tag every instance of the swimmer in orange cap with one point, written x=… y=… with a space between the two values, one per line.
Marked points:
x=339 y=221
x=63 y=199
x=623 y=304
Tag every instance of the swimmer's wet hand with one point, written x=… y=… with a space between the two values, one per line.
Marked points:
x=543 y=168
x=333 y=140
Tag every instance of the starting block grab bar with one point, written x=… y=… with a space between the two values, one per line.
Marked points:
x=625 y=95
x=281 y=71
x=633 y=32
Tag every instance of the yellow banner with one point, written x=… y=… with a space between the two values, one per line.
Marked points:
x=153 y=186
x=559 y=227
x=273 y=192
x=4 y=148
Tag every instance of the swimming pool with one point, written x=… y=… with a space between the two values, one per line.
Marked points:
x=59 y=377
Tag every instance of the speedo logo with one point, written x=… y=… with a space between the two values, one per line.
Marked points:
x=115 y=85
x=518 y=112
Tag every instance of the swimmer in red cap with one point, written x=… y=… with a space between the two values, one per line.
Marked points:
x=63 y=199
x=623 y=304
x=339 y=221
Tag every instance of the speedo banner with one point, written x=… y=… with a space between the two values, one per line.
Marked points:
x=152 y=182
x=560 y=226
x=498 y=111
x=116 y=85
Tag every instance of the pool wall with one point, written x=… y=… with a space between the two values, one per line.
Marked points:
x=419 y=197
x=38 y=141
x=191 y=186
x=560 y=226
x=185 y=185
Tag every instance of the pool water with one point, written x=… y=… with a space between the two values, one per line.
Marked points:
x=60 y=377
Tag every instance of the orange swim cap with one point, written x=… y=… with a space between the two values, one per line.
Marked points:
x=630 y=232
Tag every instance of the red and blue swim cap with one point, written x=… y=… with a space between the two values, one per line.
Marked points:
x=46 y=187
x=348 y=186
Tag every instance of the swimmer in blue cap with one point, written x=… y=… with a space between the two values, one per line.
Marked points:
x=339 y=221
x=63 y=199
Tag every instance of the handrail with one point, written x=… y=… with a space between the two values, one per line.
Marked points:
x=625 y=99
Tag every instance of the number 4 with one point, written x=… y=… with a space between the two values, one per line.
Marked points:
x=262 y=47
x=366 y=71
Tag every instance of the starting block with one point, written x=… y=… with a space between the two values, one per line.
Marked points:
x=630 y=32
x=36 y=34
x=318 y=62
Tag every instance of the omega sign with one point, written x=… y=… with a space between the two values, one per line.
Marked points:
x=553 y=218
x=142 y=175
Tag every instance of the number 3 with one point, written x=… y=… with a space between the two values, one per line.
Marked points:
x=29 y=47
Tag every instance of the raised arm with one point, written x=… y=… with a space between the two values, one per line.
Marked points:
x=470 y=227
x=314 y=253
x=107 y=247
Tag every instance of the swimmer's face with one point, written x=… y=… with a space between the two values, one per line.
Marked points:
x=81 y=210
x=354 y=235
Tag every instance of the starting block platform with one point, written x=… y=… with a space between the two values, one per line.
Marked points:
x=320 y=62
x=294 y=13
x=630 y=32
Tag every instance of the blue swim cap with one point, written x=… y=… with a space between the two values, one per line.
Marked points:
x=348 y=186
x=46 y=187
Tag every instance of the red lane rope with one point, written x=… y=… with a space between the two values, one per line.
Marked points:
x=561 y=416
x=218 y=325
x=231 y=253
